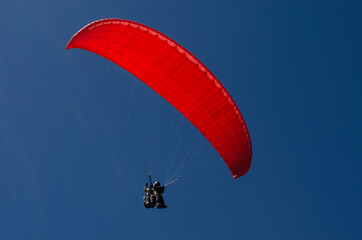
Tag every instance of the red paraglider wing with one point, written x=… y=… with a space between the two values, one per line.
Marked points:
x=177 y=76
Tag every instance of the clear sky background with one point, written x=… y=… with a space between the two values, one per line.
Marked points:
x=78 y=134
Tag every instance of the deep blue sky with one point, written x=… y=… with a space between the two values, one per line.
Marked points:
x=77 y=132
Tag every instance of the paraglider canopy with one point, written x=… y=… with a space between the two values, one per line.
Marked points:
x=179 y=77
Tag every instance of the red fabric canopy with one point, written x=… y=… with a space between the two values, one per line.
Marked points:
x=177 y=76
